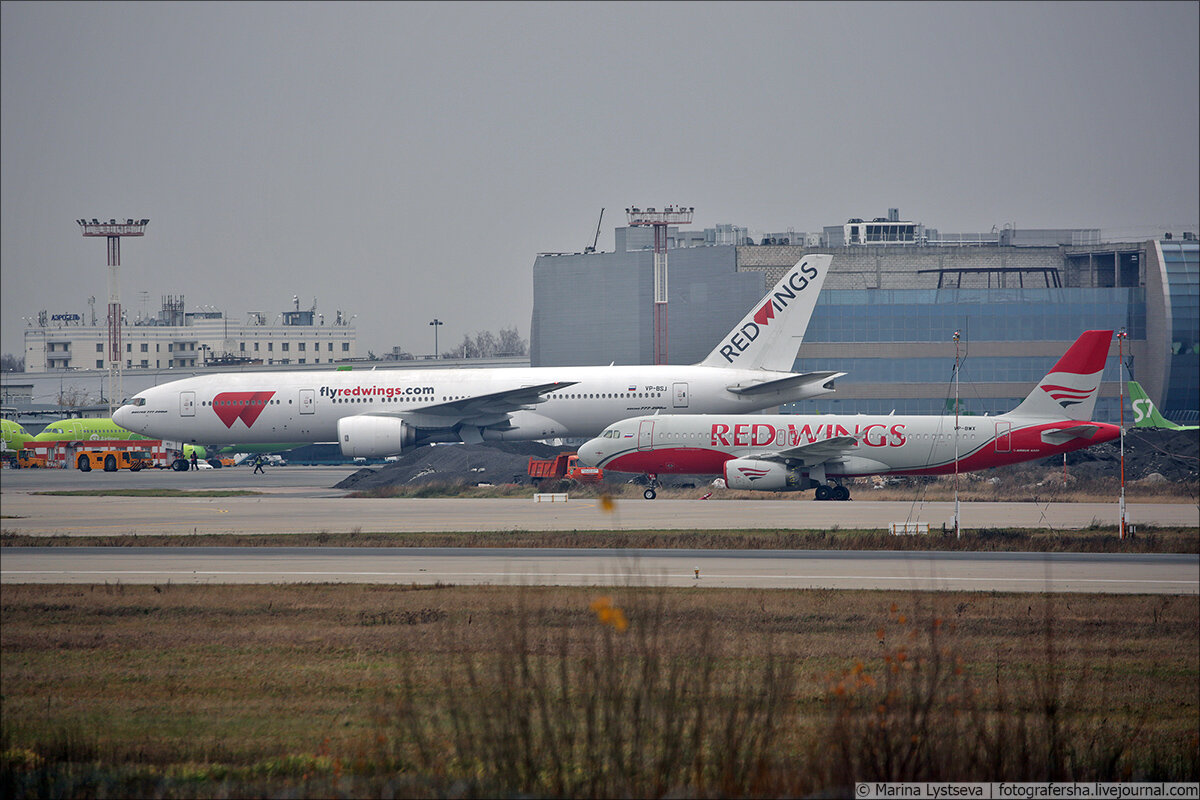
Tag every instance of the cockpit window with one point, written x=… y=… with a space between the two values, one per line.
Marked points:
x=139 y=401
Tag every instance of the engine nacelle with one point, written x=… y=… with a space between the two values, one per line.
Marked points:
x=764 y=476
x=374 y=437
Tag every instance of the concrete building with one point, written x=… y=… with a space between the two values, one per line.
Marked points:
x=896 y=294
x=175 y=338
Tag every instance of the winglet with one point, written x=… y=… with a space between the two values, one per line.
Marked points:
x=1070 y=389
x=768 y=337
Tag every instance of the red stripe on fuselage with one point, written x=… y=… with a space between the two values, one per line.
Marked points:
x=672 y=461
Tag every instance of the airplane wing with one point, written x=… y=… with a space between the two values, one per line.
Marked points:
x=784 y=384
x=816 y=452
x=478 y=410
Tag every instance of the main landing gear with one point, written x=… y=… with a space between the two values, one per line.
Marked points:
x=835 y=492
x=652 y=480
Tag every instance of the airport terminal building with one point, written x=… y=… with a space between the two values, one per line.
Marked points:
x=896 y=294
x=176 y=339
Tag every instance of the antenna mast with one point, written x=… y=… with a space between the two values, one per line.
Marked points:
x=660 y=220
x=113 y=231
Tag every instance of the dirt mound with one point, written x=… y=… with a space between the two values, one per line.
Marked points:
x=501 y=462
x=1173 y=454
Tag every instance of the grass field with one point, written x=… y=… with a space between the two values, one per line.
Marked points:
x=1096 y=539
x=403 y=691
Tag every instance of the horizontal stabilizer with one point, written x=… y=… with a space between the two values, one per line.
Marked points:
x=1061 y=435
x=788 y=384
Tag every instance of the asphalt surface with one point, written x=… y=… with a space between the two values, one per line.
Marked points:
x=299 y=499
x=302 y=500
x=906 y=571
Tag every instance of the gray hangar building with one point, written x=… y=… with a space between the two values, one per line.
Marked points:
x=896 y=294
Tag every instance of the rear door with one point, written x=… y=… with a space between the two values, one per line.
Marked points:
x=1003 y=437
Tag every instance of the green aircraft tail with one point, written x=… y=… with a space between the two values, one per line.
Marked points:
x=1145 y=415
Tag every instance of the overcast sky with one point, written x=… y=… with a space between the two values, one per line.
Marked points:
x=405 y=161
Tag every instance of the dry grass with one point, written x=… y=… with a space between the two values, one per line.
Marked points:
x=312 y=690
x=1095 y=539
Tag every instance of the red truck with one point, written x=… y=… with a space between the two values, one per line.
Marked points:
x=564 y=466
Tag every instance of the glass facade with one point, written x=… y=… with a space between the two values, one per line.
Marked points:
x=985 y=315
x=1015 y=369
x=1182 y=262
x=1107 y=408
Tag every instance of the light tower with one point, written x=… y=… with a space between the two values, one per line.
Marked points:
x=660 y=220
x=113 y=231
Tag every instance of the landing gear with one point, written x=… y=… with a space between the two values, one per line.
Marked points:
x=836 y=492
x=652 y=480
x=179 y=465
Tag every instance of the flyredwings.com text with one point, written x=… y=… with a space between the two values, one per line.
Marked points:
x=377 y=391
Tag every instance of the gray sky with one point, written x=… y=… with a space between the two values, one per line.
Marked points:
x=402 y=161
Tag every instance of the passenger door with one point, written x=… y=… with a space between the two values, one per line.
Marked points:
x=645 y=435
x=308 y=401
x=187 y=404
x=681 y=395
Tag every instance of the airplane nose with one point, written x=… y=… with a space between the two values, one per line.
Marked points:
x=123 y=416
x=590 y=453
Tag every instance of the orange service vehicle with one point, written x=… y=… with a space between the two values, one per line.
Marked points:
x=563 y=466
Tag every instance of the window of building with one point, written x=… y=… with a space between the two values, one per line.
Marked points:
x=145 y=362
x=144 y=347
x=303 y=346
x=331 y=347
x=99 y=363
x=345 y=347
x=100 y=348
x=270 y=347
x=286 y=346
x=129 y=347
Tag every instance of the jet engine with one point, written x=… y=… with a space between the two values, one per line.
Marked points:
x=374 y=437
x=764 y=476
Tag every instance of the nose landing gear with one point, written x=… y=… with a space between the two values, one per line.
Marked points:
x=652 y=480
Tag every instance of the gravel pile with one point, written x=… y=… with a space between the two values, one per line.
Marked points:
x=1173 y=454
x=502 y=462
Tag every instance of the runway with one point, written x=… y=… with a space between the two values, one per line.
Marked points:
x=777 y=569
x=300 y=500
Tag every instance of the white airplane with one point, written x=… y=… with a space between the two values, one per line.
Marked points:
x=381 y=413
x=781 y=453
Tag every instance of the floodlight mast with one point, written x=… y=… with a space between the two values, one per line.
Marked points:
x=660 y=220
x=113 y=231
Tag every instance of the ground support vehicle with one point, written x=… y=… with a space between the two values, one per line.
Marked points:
x=563 y=466
x=114 y=454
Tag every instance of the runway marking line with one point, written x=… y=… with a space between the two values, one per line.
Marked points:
x=711 y=576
